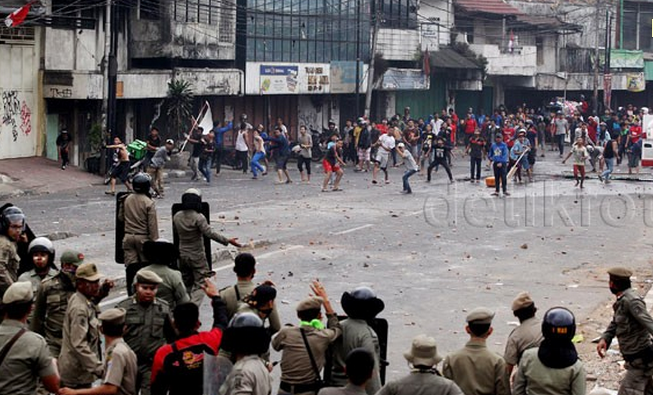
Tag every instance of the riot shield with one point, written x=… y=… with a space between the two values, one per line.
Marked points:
x=380 y=326
x=206 y=212
x=216 y=370
x=120 y=228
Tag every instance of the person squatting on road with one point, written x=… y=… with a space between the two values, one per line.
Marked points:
x=192 y=227
x=138 y=212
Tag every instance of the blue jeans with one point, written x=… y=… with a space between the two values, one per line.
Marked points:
x=255 y=165
x=609 y=168
x=205 y=167
x=407 y=175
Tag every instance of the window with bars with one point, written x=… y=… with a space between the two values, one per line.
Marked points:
x=637 y=26
x=16 y=35
x=308 y=31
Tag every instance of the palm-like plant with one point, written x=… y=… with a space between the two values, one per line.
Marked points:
x=180 y=105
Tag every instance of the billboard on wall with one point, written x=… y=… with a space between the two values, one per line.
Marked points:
x=302 y=78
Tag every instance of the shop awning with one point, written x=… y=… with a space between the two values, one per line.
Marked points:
x=447 y=58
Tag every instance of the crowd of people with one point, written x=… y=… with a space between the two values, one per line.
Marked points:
x=51 y=329
x=507 y=141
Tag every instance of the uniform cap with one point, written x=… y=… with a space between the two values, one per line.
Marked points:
x=424 y=352
x=88 y=272
x=480 y=315
x=144 y=276
x=72 y=257
x=620 y=272
x=115 y=316
x=521 y=301
x=18 y=292
x=312 y=303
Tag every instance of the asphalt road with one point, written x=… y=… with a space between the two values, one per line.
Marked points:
x=431 y=256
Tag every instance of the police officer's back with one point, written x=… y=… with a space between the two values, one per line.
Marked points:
x=554 y=367
x=527 y=335
x=162 y=255
x=26 y=358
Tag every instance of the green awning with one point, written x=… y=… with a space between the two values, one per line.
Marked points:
x=648 y=70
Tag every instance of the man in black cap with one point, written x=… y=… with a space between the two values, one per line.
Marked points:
x=633 y=327
x=361 y=305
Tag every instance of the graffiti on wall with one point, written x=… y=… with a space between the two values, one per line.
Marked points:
x=16 y=116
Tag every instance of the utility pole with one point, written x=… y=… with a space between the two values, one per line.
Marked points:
x=370 y=71
x=596 y=58
x=113 y=75
x=607 y=76
x=358 y=56
x=105 y=85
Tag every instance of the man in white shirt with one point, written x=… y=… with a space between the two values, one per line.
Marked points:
x=385 y=145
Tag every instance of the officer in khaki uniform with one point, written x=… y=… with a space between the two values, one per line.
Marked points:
x=191 y=226
x=554 y=367
x=12 y=225
x=477 y=370
x=138 y=212
x=424 y=379
x=245 y=269
x=527 y=335
x=161 y=255
x=298 y=374
x=119 y=360
x=27 y=360
x=632 y=326
x=80 y=359
x=147 y=324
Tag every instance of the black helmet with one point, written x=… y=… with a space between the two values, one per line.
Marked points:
x=559 y=324
x=42 y=244
x=11 y=215
x=246 y=335
x=362 y=303
x=192 y=200
x=160 y=252
x=142 y=183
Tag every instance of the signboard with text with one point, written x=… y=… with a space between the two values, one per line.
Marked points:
x=287 y=78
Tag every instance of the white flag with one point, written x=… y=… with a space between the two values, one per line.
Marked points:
x=206 y=122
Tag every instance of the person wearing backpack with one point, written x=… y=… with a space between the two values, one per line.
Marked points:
x=178 y=368
x=304 y=347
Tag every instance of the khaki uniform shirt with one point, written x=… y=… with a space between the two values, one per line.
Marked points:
x=120 y=367
x=144 y=327
x=631 y=324
x=355 y=334
x=296 y=367
x=172 y=289
x=234 y=295
x=249 y=376
x=349 y=389
x=191 y=226
x=533 y=378
x=80 y=358
x=9 y=261
x=50 y=310
x=477 y=370
x=35 y=280
x=27 y=361
x=525 y=336
x=139 y=214
x=421 y=383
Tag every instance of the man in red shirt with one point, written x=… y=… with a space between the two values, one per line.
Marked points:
x=592 y=126
x=178 y=368
x=470 y=127
x=635 y=133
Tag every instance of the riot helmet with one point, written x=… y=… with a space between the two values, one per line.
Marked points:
x=11 y=215
x=161 y=252
x=362 y=303
x=246 y=335
x=559 y=324
x=42 y=244
x=192 y=200
x=142 y=183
